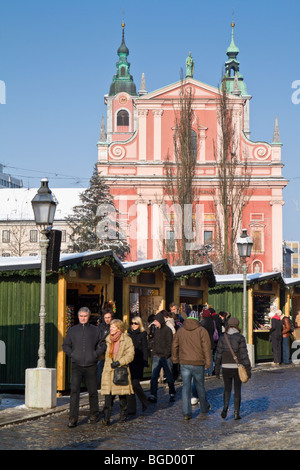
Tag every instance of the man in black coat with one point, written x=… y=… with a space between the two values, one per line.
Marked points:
x=84 y=344
x=162 y=351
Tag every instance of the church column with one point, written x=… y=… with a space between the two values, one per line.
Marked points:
x=202 y=139
x=142 y=114
x=277 y=234
x=142 y=229
x=157 y=113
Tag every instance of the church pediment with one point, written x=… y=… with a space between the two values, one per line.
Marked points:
x=171 y=92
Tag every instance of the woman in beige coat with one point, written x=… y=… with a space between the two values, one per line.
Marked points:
x=119 y=353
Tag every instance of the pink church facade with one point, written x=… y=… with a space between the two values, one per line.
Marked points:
x=139 y=136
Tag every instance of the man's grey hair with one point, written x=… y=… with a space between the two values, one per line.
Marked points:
x=84 y=309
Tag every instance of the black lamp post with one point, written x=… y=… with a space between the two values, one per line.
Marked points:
x=44 y=206
x=244 y=244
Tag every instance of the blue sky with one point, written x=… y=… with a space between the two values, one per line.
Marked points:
x=57 y=59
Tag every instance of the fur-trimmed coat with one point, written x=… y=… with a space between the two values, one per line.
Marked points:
x=125 y=357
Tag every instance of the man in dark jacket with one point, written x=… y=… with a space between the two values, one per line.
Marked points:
x=192 y=349
x=84 y=344
x=162 y=350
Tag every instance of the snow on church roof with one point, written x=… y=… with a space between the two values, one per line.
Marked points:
x=15 y=204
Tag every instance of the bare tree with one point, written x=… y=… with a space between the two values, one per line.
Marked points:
x=233 y=187
x=18 y=244
x=180 y=185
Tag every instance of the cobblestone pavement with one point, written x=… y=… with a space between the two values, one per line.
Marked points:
x=270 y=413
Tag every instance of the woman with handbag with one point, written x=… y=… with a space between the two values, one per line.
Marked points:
x=232 y=351
x=138 y=335
x=116 y=379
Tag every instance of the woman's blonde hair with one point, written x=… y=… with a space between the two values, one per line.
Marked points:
x=119 y=324
x=139 y=321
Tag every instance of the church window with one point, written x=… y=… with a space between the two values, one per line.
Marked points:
x=170 y=241
x=194 y=143
x=257 y=241
x=122 y=118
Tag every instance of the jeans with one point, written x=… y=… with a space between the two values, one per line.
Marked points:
x=157 y=364
x=100 y=366
x=189 y=372
x=88 y=374
x=211 y=369
x=286 y=350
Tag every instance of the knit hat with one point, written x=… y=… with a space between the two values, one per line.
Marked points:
x=193 y=314
x=205 y=313
x=233 y=322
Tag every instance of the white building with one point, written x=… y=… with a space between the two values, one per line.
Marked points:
x=295 y=260
x=19 y=235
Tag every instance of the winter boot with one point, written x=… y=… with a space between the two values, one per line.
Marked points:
x=226 y=398
x=237 y=404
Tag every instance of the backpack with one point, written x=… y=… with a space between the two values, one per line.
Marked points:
x=291 y=325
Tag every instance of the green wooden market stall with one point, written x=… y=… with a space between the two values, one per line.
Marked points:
x=265 y=294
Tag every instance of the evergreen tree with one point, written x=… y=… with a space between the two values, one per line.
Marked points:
x=94 y=223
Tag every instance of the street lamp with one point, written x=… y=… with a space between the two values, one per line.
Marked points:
x=44 y=207
x=40 y=390
x=244 y=244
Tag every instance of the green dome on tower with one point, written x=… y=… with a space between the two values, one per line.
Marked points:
x=232 y=69
x=123 y=81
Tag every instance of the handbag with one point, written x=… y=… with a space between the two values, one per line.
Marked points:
x=241 y=369
x=121 y=376
x=216 y=334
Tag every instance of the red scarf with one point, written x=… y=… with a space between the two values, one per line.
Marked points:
x=114 y=343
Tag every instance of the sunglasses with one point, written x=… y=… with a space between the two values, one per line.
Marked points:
x=134 y=323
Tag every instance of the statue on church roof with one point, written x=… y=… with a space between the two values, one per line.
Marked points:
x=189 y=63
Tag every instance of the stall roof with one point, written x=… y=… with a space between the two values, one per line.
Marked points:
x=195 y=268
x=291 y=281
x=16 y=263
x=173 y=271
x=130 y=266
x=251 y=278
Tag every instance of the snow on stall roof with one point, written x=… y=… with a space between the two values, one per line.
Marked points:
x=135 y=265
x=33 y=262
x=15 y=203
x=238 y=278
x=191 y=267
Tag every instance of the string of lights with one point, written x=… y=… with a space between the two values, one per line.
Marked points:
x=79 y=180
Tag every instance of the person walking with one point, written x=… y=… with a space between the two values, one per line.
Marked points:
x=286 y=331
x=84 y=344
x=138 y=335
x=208 y=323
x=224 y=358
x=192 y=350
x=107 y=316
x=276 y=336
x=162 y=350
x=119 y=353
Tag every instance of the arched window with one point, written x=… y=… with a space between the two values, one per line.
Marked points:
x=122 y=118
